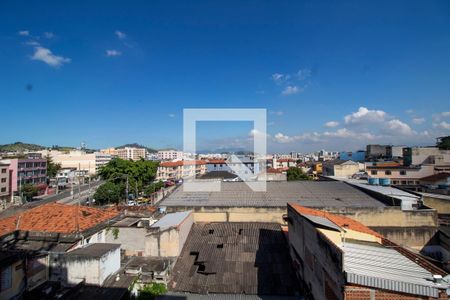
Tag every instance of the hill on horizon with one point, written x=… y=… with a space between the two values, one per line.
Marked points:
x=136 y=145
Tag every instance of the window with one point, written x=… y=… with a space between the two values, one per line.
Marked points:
x=3 y=189
x=373 y=172
x=402 y=172
x=3 y=171
x=387 y=172
x=5 y=278
x=3 y=179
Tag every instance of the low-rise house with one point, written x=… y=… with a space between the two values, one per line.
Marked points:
x=166 y=237
x=340 y=168
x=91 y=264
x=339 y=258
x=5 y=184
x=442 y=179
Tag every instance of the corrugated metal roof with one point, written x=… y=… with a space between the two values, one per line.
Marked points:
x=385 y=268
x=171 y=220
x=383 y=190
x=278 y=194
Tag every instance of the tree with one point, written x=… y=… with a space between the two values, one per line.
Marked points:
x=29 y=190
x=294 y=173
x=109 y=192
x=52 y=168
x=444 y=143
x=153 y=187
x=140 y=173
x=152 y=290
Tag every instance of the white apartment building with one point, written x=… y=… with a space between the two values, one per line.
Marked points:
x=170 y=155
x=80 y=160
x=131 y=153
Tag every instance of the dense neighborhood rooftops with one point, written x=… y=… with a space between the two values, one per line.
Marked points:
x=58 y=218
x=278 y=194
x=234 y=258
x=171 y=220
x=95 y=250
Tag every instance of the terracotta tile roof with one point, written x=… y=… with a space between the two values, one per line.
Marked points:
x=56 y=217
x=339 y=220
x=286 y=160
x=277 y=170
x=215 y=161
x=181 y=163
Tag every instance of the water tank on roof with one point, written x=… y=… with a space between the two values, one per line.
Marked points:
x=385 y=181
x=373 y=181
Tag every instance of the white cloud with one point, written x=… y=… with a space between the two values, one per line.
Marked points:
x=418 y=121
x=32 y=43
x=46 y=55
x=303 y=74
x=171 y=115
x=291 y=90
x=331 y=124
x=121 y=35
x=396 y=127
x=444 y=125
x=281 y=138
x=445 y=114
x=49 y=35
x=110 y=53
x=24 y=33
x=365 y=115
x=410 y=111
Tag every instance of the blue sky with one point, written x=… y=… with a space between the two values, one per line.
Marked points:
x=331 y=74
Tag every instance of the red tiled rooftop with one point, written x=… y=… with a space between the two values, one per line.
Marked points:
x=56 y=217
x=181 y=163
x=339 y=220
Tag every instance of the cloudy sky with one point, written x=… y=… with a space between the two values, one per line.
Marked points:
x=332 y=75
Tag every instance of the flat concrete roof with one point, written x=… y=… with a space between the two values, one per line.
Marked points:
x=278 y=194
x=96 y=250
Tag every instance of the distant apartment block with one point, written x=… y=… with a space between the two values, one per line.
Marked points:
x=340 y=168
x=244 y=166
x=80 y=160
x=170 y=155
x=378 y=152
x=30 y=170
x=180 y=169
x=131 y=153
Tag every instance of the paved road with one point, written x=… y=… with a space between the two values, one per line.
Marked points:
x=63 y=197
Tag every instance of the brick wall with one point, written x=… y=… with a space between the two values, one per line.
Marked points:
x=363 y=293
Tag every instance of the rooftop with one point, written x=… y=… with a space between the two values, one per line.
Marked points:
x=234 y=258
x=181 y=163
x=171 y=220
x=436 y=177
x=374 y=262
x=278 y=194
x=96 y=250
x=56 y=217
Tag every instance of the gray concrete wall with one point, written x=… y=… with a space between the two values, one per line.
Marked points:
x=131 y=239
x=320 y=263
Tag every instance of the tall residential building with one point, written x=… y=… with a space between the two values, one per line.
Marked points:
x=111 y=151
x=30 y=170
x=5 y=181
x=131 y=153
x=170 y=155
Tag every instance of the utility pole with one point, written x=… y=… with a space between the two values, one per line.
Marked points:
x=126 y=190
